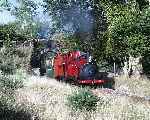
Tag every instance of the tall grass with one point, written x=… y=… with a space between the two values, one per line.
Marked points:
x=134 y=85
x=48 y=99
x=9 y=108
x=12 y=79
x=12 y=59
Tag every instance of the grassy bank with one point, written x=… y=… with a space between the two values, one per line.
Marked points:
x=48 y=99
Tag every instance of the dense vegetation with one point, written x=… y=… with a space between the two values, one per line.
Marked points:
x=111 y=30
x=83 y=100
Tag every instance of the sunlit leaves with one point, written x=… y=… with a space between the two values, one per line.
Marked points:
x=128 y=31
x=25 y=22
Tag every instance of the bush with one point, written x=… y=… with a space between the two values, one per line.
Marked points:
x=23 y=55
x=7 y=64
x=10 y=110
x=10 y=83
x=7 y=68
x=83 y=100
x=14 y=58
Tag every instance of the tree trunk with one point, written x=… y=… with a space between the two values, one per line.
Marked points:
x=125 y=69
x=135 y=68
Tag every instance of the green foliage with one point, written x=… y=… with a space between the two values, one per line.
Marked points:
x=127 y=32
x=8 y=68
x=7 y=83
x=142 y=4
x=8 y=35
x=68 y=11
x=14 y=58
x=73 y=43
x=4 y=4
x=11 y=56
x=83 y=100
x=146 y=63
x=25 y=23
x=137 y=44
x=143 y=22
x=119 y=23
x=7 y=63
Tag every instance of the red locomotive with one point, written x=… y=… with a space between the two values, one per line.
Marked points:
x=77 y=66
x=74 y=66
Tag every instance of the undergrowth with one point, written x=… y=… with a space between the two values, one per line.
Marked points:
x=83 y=99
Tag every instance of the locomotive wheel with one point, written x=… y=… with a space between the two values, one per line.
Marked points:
x=88 y=72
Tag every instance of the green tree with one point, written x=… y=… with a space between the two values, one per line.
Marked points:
x=126 y=32
x=25 y=13
x=85 y=20
x=8 y=52
x=8 y=35
x=4 y=5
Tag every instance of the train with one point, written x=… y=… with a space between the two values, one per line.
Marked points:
x=75 y=67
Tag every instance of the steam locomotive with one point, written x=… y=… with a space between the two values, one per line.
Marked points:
x=74 y=66
x=77 y=66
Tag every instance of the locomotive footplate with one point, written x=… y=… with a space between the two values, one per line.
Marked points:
x=101 y=82
x=92 y=81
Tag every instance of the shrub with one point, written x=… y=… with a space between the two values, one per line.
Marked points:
x=10 y=110
x=83 y=100
x=10 y=83
x=14 y=58
x=23 y=55
x=7 y=64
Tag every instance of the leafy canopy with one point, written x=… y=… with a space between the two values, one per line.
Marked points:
x=127 y=32
x=25 y=13
x=70 y=13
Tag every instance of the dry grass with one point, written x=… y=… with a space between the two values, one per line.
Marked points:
x=48 y=95
x=24 y=55
x=137 y=86
x=14 y=58
x=48 y=99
